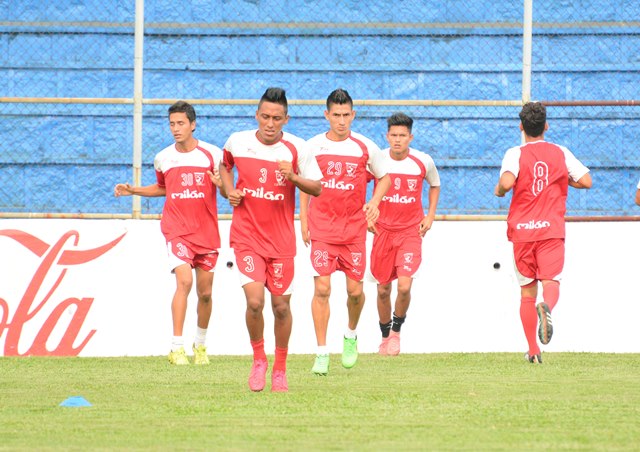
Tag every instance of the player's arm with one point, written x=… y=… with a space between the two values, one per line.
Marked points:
x=505 y=184
x=149 y=191
x=427 y=221
x=304 y=217
x=312 y=187
x=215 y=179
x=371 y=208
x=583 y=182
x=638 y=196
x=227 y=189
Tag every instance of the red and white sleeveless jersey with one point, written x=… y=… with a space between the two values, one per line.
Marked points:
x=263 y=222
x=401 y=207
x=539 y=201
x=336 y=215
x=190 y=209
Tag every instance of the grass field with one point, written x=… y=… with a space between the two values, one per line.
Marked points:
x=411 y=402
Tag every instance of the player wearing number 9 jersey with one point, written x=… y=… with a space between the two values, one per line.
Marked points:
x=539 y=173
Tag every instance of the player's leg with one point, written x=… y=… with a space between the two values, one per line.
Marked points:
x=204 y=283
x=403 y=299
x=383 y=301
x=280 y=273
x=253 y=276
x=184 y=281
x=254 y=293
x=320 y=311
x=383 y=269
x=550 y=265
x=282 y=330
x=526 y=270
x=355 y=304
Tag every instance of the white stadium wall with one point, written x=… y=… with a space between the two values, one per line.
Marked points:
x=102 y=288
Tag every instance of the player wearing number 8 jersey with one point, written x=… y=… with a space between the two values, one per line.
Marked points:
x=335 y=223
x=270 y=164
x=539 y=173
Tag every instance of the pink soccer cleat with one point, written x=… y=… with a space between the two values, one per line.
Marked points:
x=257 y=376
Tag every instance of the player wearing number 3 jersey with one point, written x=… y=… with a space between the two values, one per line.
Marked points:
x=270 y=164
x=539 y=173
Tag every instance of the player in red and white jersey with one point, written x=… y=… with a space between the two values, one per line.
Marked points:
x=539 y=172
x=335 y=223
x=397 y=244
x=270 y=164
x=187 y=175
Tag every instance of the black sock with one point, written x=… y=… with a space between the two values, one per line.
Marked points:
x=385 y=328
x=397 y=323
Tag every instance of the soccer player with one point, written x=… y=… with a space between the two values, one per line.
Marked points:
x=187 y=174
x=336 y=223
x=397 y=243
x=638 y=194
x=270 y=164
x=539 y=172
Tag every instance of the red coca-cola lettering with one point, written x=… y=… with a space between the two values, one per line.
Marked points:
x=54 y=259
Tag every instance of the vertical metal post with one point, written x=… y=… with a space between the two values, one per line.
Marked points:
x=527 y=32
x=137 y=104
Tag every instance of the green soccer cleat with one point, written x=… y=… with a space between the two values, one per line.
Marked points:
x=200 y=354
x=178 y=357
x=349 y=353
x=321 y=365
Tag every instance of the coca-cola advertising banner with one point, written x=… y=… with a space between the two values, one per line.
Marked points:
x=104 y=288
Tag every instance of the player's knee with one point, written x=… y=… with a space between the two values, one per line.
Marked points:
x=384 y=291
x=404 y=289
x=281 y=310
x=255 y=305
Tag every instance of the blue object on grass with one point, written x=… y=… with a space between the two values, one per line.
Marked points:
x=76 y=401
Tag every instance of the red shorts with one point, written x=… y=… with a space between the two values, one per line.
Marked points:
x=543 y=260
x=182 y=251
x=397 y=253
x=350 y=259
x=275 y=273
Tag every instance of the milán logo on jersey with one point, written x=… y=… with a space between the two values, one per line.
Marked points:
x=397 y=199
x=337 y=185
x=260 y=193
x=188 y=194
x=534 y=225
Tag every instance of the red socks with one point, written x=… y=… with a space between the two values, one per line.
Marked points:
x=551 y=293
x=258 y=350
x=529 y=318
x=281 y=359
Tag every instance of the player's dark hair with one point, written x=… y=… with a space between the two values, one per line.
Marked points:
x=339 y=97
x=400 y=119
x=533 y=117
x=183 y=107
x=275 y=95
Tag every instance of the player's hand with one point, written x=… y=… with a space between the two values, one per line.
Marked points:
x=425 y=225
x=496 y=192
x=371 y=227
x=306 y=237
x=286 y=169
x=235 y=197
x=215 y=178
x=371 y=212
x=122 y=190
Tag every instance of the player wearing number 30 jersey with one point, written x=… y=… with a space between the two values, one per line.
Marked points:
x=539 y=173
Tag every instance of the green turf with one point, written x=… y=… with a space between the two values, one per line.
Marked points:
x=410 y=402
